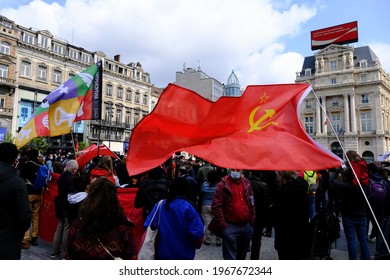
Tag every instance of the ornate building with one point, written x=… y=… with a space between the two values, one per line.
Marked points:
x=8 y=46
x=351 y=105
x=34 y=62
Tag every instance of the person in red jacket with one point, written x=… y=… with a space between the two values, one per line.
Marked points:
x=359 y=165
x=233 y=207
x=105 y=169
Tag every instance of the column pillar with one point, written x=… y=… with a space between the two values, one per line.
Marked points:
x=325 y=120
x=346 y=127
x=318 y=115
x=353 y=112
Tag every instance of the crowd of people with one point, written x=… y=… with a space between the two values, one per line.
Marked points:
x=202 y=205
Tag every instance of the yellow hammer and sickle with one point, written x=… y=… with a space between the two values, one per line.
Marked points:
x=255 y=125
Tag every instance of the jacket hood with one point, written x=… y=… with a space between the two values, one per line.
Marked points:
x=74 y=198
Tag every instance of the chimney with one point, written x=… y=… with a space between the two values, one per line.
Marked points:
x=117 y=57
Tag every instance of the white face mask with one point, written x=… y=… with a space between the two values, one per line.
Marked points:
x=235 y=175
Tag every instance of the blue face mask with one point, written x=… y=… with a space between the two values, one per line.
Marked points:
x=235 y=175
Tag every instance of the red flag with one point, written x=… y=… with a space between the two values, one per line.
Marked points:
x=92 y=152
x=259 y=130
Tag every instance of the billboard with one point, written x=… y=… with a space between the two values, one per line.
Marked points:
x=338 y=34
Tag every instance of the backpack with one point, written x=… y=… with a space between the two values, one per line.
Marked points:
x=377 y=192
x=311 y=180
x=326 y=226
x=43 y=178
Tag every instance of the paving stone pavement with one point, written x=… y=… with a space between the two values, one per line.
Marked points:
x=339 y=251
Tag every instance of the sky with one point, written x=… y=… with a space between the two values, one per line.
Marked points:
x=263 y=41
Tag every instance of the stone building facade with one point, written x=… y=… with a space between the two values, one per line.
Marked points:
x=34 y=62
x=350 y=109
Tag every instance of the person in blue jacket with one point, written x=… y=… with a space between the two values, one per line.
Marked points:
x=180 y=226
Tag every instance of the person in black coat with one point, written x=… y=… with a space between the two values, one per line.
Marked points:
x=263 y=202
x=153 y=188
x=15 y=211
x=65 y=187
x=291 y=217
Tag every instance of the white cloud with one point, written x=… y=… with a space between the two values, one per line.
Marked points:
x=382 y=50
x=246 y=36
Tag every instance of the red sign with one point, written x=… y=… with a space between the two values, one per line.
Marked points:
x=338 y=34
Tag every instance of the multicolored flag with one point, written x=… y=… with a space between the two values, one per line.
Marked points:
x=79 y=98
x=259 y=130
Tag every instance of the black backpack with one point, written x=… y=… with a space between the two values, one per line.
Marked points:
x=326 y=226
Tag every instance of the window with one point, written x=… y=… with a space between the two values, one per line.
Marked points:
x=308 y=104
x=364 y=98
x=44 y=42
x=333 y=81
x=363 y=63
x=3 y=71
x=42 y=73
x=145 y=99
x=109 y=90
x=136 y=97
x=86 y=58
x=365 y=119
x=118 y=116
x=136 y=118
x=58 y=49
x=2 y=102
x=333 y=65
x=119 y=93
x=28 y=38
x=128 y=119
x=25 y=69
x=5 y=48
x=128 y=95
x=109 y=113
x=309 y=125
x=56 y=76
x=308 y=72
x=335 y=101
x=73 y=54
x=336 y=122
x=363 y=78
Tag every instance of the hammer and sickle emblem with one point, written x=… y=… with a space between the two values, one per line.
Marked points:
x=255 y=125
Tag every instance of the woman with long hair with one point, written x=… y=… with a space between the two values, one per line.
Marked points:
x=104 y=168
x=102 y=230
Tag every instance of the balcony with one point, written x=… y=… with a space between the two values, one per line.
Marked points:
x=6 y=112
x=7 y=82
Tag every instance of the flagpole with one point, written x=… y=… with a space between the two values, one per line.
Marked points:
x=354 y=173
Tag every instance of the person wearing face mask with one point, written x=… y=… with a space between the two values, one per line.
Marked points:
x=233 y=208
x=49 y=162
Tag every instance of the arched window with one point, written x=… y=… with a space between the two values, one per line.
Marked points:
x=368 y=156
x=336 y=149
